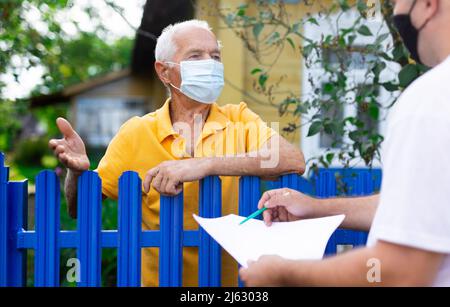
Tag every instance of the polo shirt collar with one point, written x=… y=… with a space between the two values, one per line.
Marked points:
x=216 y=121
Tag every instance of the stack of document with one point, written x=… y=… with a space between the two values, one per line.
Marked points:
x=304 y=239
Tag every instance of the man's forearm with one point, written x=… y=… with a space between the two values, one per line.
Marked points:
x=71 y=190
x=255 y=164
x=345 y=270
x=243 y=166
x=359 y=211
x=384 y=264
x=276 y=157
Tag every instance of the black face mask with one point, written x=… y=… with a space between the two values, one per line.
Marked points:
x=409 y=33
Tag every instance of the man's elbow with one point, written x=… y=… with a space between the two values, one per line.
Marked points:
x=300 y=164
x=292 y=161
x=297 y=162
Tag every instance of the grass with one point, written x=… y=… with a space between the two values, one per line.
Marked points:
x=20 y=172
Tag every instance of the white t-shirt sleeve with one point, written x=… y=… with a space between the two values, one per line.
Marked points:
x=414 y=207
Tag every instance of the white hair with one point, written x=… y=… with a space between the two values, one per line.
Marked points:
x=166 y=46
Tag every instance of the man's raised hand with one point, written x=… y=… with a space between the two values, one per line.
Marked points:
x=70 y=149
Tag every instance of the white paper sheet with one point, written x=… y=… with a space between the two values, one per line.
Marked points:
x=304 y=239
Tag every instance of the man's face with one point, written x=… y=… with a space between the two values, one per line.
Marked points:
x=193 y=44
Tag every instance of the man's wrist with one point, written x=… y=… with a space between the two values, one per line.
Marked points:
x=285 y=272
x=74 y=173
x=320 y=208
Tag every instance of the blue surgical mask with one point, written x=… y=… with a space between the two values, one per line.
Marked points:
x=201 y=80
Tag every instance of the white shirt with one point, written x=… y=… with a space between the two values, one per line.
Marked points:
x=414 y=208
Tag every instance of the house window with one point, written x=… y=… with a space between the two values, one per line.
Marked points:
x=99 y=119
x=355 y=59
x=335 y=112
x=370 y=123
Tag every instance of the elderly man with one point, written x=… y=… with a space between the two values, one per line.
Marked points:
x=189 y=138
x=409 y=241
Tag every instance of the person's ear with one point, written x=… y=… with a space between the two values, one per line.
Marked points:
x=163 y=72
x=431 y=8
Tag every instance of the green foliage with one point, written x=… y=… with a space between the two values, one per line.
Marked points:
x=66 y=59
x=47 y=117
x=9 y=125
x=266 y=29
x=31 y=151
x=81 y=59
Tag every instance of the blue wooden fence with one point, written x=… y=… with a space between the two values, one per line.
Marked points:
x=47 y=239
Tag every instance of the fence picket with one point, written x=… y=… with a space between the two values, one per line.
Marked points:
x=129 y=231
x=171 y=250
x=210 y=260
x=4 y=175
x=89 y=228
x=47 y=230
x=249 y=194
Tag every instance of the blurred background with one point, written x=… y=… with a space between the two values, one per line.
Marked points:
x=326 y=71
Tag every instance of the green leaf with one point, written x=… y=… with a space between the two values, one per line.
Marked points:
x=257 y=29
x=345 y=31
x=382 y=38
x=374 y=111
x=242 y=9
x=295 y=27
x=328 y=88
x=313 y=21
x=344 y=5
x=329 y=157
x=378 y=68
x=389 y=86
x=400 y=53
x=273 y=38
x=315 y=128
x=289 y=40
x=323 y=162
x=256 y=70
x=351 y=39
x=354 y=135
x=301 y=108
x=262 y=80
x=308 y=49
x=364 y=30
x=408 y=74
x=362 y=6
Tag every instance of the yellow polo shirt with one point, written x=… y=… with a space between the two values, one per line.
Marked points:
x=144 y=142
